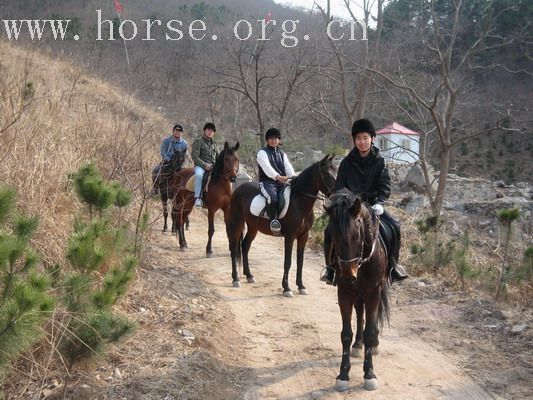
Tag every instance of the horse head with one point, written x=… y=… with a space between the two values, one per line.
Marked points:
x=227 y=163
x=326 y=176
x=353 y=233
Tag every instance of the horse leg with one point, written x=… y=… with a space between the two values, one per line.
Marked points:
x=287 y=292
x=370 y=338
x=300 y=247
x=246 y=244
x=164 y=200
x=174 y=215
x=358 y=344
x=235 y=239
x=180 y=231
x=346 y=307
x=210 y=232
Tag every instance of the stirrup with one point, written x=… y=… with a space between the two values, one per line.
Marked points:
x=397 y=273
x=328 y=274
x=275 y=226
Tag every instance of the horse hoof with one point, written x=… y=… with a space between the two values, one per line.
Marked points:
x=251 y=279
x=236 y=284
x=375 y=351
x=182 y=248
x=341 y=386
x=304 y=291
x=371 y=384
x=209 y=255
x=356 y=352
x=288 y=293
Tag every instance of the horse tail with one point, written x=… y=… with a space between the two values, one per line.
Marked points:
x=384 y=309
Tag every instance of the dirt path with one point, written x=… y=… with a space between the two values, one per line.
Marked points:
x=292 y=346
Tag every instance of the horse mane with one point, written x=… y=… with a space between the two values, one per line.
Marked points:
x=218 y=168
x=300 y=183
x=339 y=209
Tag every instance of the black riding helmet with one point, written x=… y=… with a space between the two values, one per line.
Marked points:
x=363 y=125
x=211 y=126
x=272 y=133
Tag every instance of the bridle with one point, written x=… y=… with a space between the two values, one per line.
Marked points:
x=227 y=173
x=359 y=260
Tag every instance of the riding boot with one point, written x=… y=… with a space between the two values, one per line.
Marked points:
x=328 y=275
x=272 y=211
x=396 y=271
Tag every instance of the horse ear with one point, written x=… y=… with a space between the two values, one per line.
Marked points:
x=226 y=145
x=237 y=146
x=356 y=207
x=331 y=157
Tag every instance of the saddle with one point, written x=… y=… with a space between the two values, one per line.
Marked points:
x=205 y=182
x=258 y=206
x=387 y=236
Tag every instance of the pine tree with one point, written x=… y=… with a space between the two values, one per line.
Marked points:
x=101 y=270
x=24 y=301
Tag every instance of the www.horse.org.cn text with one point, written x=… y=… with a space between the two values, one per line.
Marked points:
x=174 y=29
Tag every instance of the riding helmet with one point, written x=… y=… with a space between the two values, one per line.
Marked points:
x=211 y=126
x=363 y=125
x=177 y=127
x=272 y=133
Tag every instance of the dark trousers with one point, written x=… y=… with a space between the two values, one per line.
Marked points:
x=393 y=246
x=273 y=189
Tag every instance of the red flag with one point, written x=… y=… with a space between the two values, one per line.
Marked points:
x=268 y=17
x=118 y=6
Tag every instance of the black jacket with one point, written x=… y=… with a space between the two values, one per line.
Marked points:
x=367 y=176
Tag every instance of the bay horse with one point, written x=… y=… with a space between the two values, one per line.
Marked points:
x=216 y=196
x=295 y=224
x=361 y=270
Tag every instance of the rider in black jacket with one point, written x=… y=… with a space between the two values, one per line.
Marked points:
x=365 y=174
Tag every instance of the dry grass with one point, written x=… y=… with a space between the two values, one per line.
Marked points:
x=53 y=119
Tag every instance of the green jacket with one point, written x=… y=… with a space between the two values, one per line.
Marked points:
x=204 y=152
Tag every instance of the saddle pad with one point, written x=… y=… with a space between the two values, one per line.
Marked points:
x=190 y=183
x=259 y=203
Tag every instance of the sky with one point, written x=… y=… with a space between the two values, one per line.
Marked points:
x=337 y=6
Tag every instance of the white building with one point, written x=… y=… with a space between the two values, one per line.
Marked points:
x=398 y=144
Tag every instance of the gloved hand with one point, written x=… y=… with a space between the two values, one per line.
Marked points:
x=378 y=209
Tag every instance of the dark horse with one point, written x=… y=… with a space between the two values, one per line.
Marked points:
x=166 y=183
x=361 y=264
x=294 y=226
x=216 y=196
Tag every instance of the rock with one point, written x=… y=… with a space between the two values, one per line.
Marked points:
x=83 y=392
x=317 y=394
x=518 y=329
x=186 y=334
x=413 y=202
x=421 y=284
x=499 y=184
x=415 y=179
x=117 y=374
x=506 y=314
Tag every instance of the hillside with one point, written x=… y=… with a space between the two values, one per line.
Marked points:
x=55 y=118
x=303 y=89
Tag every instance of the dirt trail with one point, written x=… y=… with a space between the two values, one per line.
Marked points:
x=292 y=346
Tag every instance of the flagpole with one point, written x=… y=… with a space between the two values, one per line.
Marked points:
x=118 y=9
